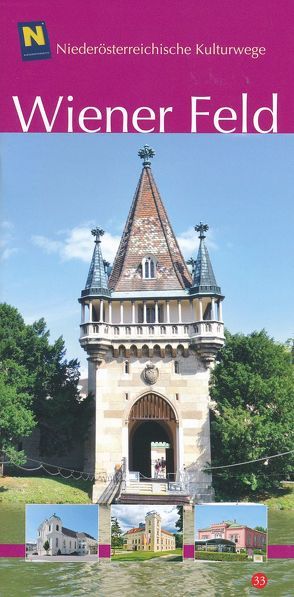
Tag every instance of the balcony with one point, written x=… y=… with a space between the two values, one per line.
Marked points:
x=156 y=332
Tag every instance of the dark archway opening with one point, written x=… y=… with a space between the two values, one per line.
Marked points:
x=142 y=435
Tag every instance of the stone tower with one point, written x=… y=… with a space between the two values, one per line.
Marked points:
x=153 y=530
x=151 y=330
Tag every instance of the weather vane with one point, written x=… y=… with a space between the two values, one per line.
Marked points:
x=97 y=232
x=192 y=262
x=201 y=228
x=146 y=153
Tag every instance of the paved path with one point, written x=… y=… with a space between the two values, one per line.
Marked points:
x=92 y=558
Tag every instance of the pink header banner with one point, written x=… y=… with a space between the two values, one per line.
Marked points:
x=194 y=66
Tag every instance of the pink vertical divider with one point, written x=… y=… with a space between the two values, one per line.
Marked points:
x=12 y=550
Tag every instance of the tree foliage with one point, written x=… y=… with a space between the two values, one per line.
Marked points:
x=179 y=522
x=116 y=534
x=260 y=528
x=252 y=389
x=38 y=386
x=46 y=546
x=179 y=526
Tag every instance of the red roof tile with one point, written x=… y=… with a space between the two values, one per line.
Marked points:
x=148 y=232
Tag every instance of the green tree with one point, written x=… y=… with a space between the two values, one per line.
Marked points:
x=179 y=526
x=259 y=528
x=116 y=534
x=252 y=389
x=46 y=546
x=16 y=417
x=179 y=522
x=41 y=387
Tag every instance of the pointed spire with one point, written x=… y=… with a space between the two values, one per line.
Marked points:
x=203 y=276
x=97 y=282
x=148 y=234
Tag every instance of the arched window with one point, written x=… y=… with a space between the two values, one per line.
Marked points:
x=122 y=351
x=149 y=267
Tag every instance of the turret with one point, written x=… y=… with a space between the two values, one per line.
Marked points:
x=93 y=300
x=208 y=336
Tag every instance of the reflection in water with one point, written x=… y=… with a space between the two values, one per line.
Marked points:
x=156 y=579
x=213 y=579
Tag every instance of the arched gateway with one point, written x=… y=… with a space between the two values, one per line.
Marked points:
x=152 y=438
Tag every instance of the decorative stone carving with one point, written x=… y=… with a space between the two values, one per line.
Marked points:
x=150 y=373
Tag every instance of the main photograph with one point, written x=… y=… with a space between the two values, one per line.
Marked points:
x=156 y=262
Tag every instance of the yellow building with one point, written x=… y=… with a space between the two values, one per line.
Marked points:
x=149 y=536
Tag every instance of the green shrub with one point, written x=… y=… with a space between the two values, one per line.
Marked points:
x=221 y=556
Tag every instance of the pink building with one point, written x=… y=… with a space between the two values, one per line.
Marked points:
x=243 y=536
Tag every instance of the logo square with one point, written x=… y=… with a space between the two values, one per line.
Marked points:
x=34 y=40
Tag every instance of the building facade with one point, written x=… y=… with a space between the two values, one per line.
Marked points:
x=149 y=536
x=63 y=541
x=243 y=536
x=151 y=327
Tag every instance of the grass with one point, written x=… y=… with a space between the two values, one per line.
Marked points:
x=128 y=556
x=44 y=490
x=283 y=499
x=41 y=489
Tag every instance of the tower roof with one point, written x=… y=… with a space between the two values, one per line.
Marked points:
x=148 y=233
x=97 y=283
x=203 y=275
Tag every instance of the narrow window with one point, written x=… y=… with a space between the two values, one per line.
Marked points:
x=149 y=268
x=152 y=268
x=150 y=312
x=177 y=367
x=127 y=367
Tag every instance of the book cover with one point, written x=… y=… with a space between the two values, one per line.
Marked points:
x=146 y=347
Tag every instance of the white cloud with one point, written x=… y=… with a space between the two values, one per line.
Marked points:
x=6 y=225
x=7 y=238
x=189 y=242
x=50 y=246
x=78 y=244
x=6 y=253
x=130 y=516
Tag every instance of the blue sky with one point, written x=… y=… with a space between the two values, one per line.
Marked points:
x=82 y=518
x=251 y=515
x=56 y=187
x=130 y=516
